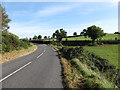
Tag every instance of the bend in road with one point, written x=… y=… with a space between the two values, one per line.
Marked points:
x=40 y=69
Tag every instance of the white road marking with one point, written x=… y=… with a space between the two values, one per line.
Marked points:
x=20 y=68
x=44 y=50
x=54 y=49
x=40 y=55
x=14 y=72
x=45 y=45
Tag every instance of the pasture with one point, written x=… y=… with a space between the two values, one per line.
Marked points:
x=109 y=52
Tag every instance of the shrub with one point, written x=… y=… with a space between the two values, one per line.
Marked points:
x=12 y=42
x=70 y=52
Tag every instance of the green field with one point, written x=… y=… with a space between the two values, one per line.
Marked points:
x=109 y=52
x=107 y=37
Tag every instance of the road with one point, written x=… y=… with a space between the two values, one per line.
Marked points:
x=40 y=69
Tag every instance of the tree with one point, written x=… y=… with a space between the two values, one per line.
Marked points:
x=39 y=37
x=83 y=33
x=49 y=38
x=35 y=37
x=75 y=33
x=53 y=36
x=117 y=33
x=59 y=34
x=94 y=32
x=45 y=37
x=4 y=19
x=30 y=39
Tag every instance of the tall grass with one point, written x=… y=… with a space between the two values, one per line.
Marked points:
x=94 y=79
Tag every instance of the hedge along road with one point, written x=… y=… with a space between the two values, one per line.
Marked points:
x=40 y=69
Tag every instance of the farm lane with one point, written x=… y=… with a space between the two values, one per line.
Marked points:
x=40 y=69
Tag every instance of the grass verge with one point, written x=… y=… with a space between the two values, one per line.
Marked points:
x=71 y=78
x=8 y=56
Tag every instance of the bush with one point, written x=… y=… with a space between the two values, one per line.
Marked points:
x=12 y=42
x=70 y=52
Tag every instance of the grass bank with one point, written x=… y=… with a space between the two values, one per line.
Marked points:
x=71 y=78
x=86 y=70
x=8 y=56
x=90 y=78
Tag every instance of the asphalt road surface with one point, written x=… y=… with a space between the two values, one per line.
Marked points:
x=40 y=69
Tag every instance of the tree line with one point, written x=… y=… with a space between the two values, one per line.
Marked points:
x=94 y=32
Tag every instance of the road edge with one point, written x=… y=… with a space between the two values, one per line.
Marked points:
x=15 y=56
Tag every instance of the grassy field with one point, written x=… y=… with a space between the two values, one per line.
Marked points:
x=110 y=37
x=107 y=37
x=109 y=52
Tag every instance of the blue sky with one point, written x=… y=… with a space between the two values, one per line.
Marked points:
x=43 y=18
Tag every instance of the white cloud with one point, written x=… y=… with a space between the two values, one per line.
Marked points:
x=28 y=30
x=45 y=28
x=87 y=11
x=46 y=11
x=55 y=10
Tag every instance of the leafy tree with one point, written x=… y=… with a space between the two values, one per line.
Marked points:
x=45 y=37
x=59 y=34
x=39 y=37
x=83 y=33
x=4 y=19
x=53 y=36
x=94 y=32
x=35 y=37
x=75 y=33
x=12 y=42
x=49 y=38
x=30 y=39
x=117 y=33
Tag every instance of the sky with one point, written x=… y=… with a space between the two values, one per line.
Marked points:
x=44 y=18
